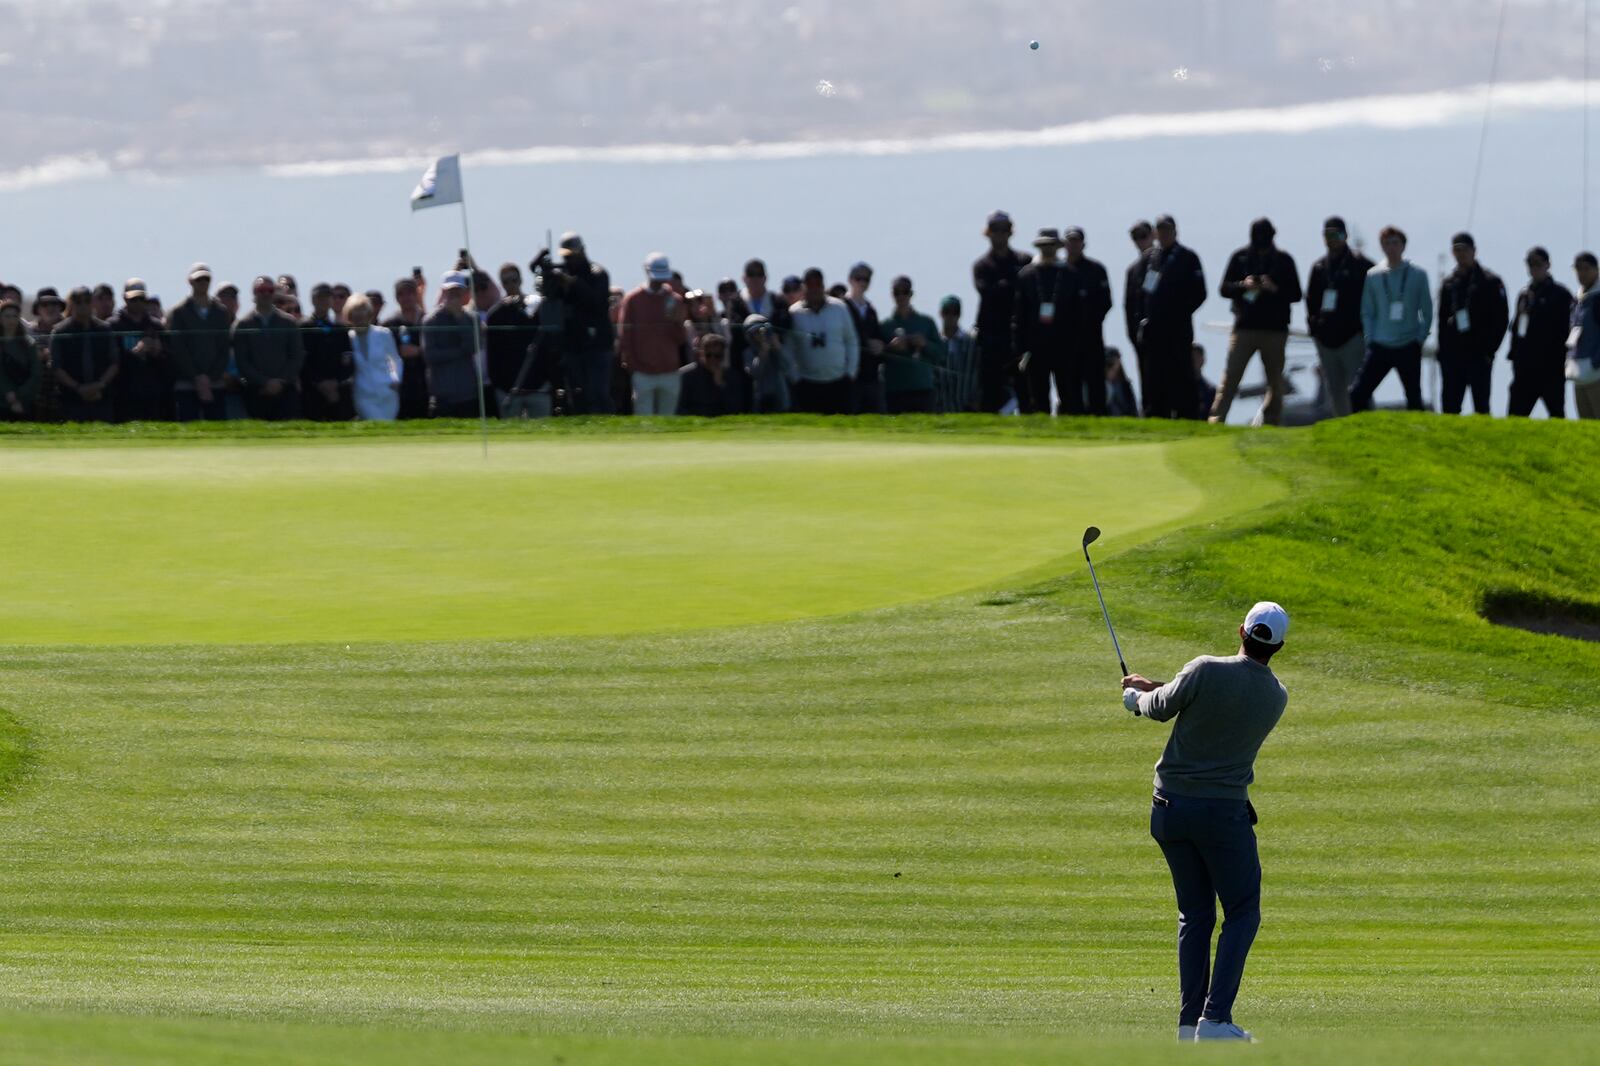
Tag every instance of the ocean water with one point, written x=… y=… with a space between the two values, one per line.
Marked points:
x=912 y=208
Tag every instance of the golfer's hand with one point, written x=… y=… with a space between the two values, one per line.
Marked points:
x=1130 y=699
x=1143 y=684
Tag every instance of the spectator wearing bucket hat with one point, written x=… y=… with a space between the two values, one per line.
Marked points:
x=1473 y=315
x=1262 y=281
x=994 y=275
x=1222 y=710
x=143 y=391
x=1039 y=323
x=650 y=339
x=197 y=338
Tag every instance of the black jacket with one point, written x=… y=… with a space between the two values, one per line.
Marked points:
x=327 y=348
x=511 y=336
x=1040 y=288
x=1482 y=295
x=577 y=305
x=1261 y=310
x=197 y=339
x=83 y=353
x=995 y=278
x=868 y=328
x=1346 y=277
x=1088 y=302
x=1541 y=339
x=699 y=394
x=143 y=376
x=1166 y=313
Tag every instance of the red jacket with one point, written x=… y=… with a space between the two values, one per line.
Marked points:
x=650 y=332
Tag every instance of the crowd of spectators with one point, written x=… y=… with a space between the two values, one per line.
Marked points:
x=567 y=341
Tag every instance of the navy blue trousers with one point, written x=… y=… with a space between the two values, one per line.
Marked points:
x=1211 y=850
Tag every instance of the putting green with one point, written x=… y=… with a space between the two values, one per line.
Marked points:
x=397 y=540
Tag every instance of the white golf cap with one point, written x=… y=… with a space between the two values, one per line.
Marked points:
x=657 y=267
x=456 y=279
x=135 y=287
x=199 y=270
x=1267 y=622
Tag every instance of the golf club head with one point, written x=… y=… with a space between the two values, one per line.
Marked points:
x=1091 y=535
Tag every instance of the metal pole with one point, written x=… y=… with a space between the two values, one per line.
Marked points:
x=477 y=335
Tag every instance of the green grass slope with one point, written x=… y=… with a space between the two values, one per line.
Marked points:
x=916 y=833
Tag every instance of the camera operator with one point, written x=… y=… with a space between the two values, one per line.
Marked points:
x=576 y=317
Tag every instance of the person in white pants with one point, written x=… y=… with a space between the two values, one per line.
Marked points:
x=650 y=339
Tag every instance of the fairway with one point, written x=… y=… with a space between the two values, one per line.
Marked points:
x=404 y=540
x=870 y=797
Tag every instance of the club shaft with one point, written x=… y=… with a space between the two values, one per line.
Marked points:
x=1105 y=613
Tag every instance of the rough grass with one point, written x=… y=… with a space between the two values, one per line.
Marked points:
x=910 y=834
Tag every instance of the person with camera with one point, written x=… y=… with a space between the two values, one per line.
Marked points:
x=914 y=354
x=577 y=295
x=768 y=364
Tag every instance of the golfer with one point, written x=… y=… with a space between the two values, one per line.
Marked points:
x=1201 y=814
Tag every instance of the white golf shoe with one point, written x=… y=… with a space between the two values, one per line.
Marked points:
x=1209 y=1030
x=1185 y=1034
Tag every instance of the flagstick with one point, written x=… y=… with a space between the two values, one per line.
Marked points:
x=472 y=306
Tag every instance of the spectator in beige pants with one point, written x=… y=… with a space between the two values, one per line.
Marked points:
x=1333 y=313
x=1263 y=284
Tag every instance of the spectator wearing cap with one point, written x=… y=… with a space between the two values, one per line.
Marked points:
x=375 y=364
x=791 y=291
x=1539 y=330
x=375 y=301
x=1169 y=287
x=143 y=391
x=449 y=348
x=961 y=359
x=105 y=302
x=913 y=357
x=325 y=373
x=703 y=385
x=1396 y=317
x=760 y=300
x=994 y=275
x=269 y=352
x=1333 y=313
x=869 y=330
x=406 y=325
x=522 y=387
x=1039 y=326
x=1583 y=356
x=197 y=340
x=20 y=369
x=48 y=309
x=769 y=365
x=1120 y=401
x=84 y=356
x=1082 y=374
x=1473 y=316
x=228 y=299
x=1143 y=236
x=825 y=350
x=1263 y=282
x=650 y=339
x=577 y=295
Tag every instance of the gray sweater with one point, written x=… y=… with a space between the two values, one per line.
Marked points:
x=1225 y=707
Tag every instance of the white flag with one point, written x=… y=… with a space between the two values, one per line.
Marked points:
x=440 y=185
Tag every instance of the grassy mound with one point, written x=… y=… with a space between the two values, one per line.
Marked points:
x=912 y=833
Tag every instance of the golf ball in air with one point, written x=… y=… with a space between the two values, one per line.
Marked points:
x=1034 y=45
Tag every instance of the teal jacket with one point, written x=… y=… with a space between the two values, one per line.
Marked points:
x=1384 y=288
x=906 y=371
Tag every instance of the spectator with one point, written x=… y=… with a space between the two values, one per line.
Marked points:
x=228 y=297
x=1039 y=329
x=143 y=391
x=325 y=374
x=1333 y=313
x=703 y=317
x=1472 y=323
x=341 y=297
x=47 y=313
x=824 y=349
x=762 y=301
x=1081 y=378
x=449 y=348
x=20 y=369
x=269 y=352
x=510 y=348
x=287 y=284
x=961 y=358
x=288 y=303
x=1143 y=235
x=375 y=301
x=1120 y=402
x=792 y=291
x=406 y=325
x=1583 y=362
x=1169 y=288
x=197 y=340
x=731 y=320
x=914 y=354
x=105 y=302
x=994 y=275
x=1539 y=341
x=650 y=339
x=703 y=388
x=375 y=364
x=869 y=376
x=581 y=292
x=9 y=292
x=769 y=365
x=1396 y=317
x=1205 y=393
x=84 y=355
x=1263 y=283
x=840 y=291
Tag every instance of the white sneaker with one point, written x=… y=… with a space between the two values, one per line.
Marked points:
x=1209 y=1030
x=1185 y=1034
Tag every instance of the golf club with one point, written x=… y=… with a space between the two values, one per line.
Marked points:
x=1091 y=535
